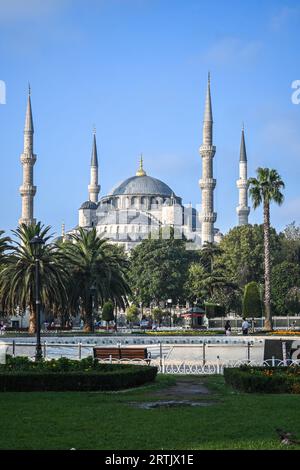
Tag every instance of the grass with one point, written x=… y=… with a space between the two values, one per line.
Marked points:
x=108 y=421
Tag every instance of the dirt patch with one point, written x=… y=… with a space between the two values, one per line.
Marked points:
x=187 y=391
x=170 y=404
x=185 y=388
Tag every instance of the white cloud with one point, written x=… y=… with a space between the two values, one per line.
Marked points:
x=232 y=49
x=283 y=17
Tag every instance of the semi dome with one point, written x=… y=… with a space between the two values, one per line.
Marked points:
x=88 y=205
x=144 y=185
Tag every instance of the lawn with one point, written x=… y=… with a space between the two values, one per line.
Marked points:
x=61 y=420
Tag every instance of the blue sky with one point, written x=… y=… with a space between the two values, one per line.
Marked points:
x=137 y=70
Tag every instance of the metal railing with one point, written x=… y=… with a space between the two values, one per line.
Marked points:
x=203 y=352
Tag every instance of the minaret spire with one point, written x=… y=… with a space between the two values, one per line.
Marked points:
x=208 y=116
x=207 y=183
x=94 y=187
x=28 y=159
x=242 y=209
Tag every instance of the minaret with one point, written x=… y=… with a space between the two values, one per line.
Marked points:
x=28 y=159
x=94 y=187
x=207 y=182
x=243 y=210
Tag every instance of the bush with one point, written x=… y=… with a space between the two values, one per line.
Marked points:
x=264 y=379
x=108 y=312
x=21 y=374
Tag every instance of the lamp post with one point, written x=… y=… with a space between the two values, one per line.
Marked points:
x=36 y=244
x=169 y=301
x=93 y=291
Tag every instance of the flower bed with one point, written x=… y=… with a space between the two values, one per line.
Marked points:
x=284 y=333
x=21 y=374
x=186 y=333
x=264 y=379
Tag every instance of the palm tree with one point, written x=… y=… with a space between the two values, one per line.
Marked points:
x=264 y=189
x=17 y=278
x=4 y=246
x=98 y=273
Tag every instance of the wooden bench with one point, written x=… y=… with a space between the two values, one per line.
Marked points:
x=122 y=354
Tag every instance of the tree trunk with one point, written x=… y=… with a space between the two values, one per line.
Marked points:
x=268 y=317
x=32 y=319
x=88 y=318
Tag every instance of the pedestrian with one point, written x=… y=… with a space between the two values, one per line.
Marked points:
x=205 y=322
x=227 y=328
x=245 y=327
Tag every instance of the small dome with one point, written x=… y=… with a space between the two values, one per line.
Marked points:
x=89 y=205
x=142 y=185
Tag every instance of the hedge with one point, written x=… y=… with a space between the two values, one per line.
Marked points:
x=264 y=379
x=20 y=374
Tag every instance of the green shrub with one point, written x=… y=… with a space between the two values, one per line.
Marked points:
x=108 y=312
x=21 y=374
x=264 y=379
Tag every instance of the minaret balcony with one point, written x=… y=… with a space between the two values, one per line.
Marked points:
x=27 y=190
x=28 y=158
x=243 y=210
x=207 y=151
x=209 y=217
x=208 y=183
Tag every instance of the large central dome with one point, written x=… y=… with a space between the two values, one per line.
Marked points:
x=142 y=185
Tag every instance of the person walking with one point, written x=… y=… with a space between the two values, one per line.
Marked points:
x=245 y=327
x=227 y=328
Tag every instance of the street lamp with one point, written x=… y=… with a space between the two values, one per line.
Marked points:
x=93 y=292
x=169 y=301
x=36 y=244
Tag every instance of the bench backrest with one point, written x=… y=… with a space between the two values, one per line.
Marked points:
x=120 y=353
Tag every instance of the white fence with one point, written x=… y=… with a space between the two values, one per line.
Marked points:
x=206 y=357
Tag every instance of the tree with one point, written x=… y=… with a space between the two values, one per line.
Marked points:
x=208 y=255
x=17 y=278
x=108 y=312
x=158 y=270
x=194 y=288
x=285 y=276
x=157 y=314
x=208 y=280
x=243 y=253
x=229 y=297
x=290 y=239
x=132 y=313
x=293 y=300
x=252 y=304
x=98 y=273
x=264 y=189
